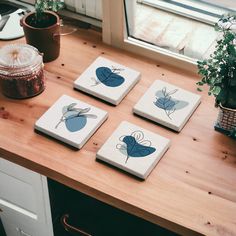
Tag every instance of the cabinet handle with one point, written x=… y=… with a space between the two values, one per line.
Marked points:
x=71 y=228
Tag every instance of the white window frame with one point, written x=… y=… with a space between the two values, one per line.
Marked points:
x=115 y=34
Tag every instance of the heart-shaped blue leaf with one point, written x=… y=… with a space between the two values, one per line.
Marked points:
x=109 y=78
x=134 y=149
x=135 y=145
x=75 y=123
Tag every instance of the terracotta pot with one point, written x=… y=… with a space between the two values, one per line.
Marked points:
x=226 y=120
x=45 y=38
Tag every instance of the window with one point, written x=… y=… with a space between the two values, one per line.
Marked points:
x=178 y=32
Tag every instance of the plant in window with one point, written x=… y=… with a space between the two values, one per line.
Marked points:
x=219 y=73
x=42 y=28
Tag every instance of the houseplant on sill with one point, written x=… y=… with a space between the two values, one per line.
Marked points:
x=42 y=28
x=219 y=73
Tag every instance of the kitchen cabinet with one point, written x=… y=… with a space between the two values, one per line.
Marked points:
x=24 y=201
x=25 y=208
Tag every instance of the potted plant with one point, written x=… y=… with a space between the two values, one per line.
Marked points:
x=219 y=73
x=42 y=28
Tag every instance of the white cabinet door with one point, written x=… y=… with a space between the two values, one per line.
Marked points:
x=24 y=201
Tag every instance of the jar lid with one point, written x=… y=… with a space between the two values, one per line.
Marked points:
x=18 y=55
x=15 y=58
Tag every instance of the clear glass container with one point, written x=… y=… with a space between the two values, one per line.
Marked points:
x=21 y=71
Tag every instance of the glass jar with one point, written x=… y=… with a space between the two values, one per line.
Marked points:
x=21 y=71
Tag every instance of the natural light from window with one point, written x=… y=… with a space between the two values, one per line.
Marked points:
x=182 y=27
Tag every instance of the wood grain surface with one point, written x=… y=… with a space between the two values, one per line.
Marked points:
x=191 y=191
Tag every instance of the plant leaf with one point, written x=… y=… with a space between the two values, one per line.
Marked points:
x=164 y=103
x=172 y=92
x=71 y=106
x=134 y=149
x=216 y=90
x=109 y=78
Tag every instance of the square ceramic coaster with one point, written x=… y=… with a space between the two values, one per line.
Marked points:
x=167 y=105
x=107 y=80
x=71 y=121
x=133 y=149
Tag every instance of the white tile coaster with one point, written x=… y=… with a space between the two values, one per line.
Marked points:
x=71 y=121
x=133 y=149
x=167 y=105
x=107 y=80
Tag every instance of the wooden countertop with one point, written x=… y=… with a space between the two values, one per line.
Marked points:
x=192 y=190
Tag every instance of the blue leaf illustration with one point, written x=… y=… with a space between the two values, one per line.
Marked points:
x=180 y=104
x=75 y=123
x=135 y=146
x=75 y=118
x=109 y=77
x=165 y=103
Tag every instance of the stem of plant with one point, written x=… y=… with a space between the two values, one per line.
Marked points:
x=61 y=120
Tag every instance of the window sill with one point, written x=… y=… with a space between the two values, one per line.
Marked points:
x=162 y=55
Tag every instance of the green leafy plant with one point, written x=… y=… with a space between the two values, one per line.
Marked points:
x=41 y=6
x=219 y=71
